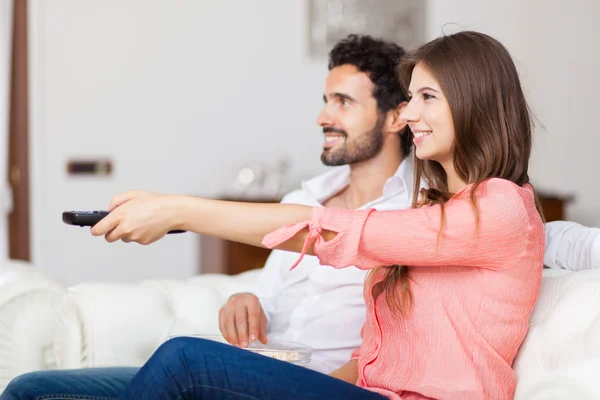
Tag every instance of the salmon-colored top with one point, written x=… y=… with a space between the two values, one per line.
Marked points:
x=473 y=294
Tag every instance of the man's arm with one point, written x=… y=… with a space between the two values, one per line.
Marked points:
x=347 y=372
x=269 y=283
x=265 y=292
x=572 y=246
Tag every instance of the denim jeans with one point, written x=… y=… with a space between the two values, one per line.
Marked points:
x=80 y=384
x=189 y=368
x=192 y=368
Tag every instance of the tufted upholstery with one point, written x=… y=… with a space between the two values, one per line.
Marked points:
x=104 y=324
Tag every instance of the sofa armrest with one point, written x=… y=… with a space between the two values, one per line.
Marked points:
x=29 y=299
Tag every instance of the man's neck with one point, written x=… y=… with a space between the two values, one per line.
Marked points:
x=367 y=180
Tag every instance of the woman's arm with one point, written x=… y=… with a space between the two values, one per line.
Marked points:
x=369 y=239
x=340 y=238
x=144 y=217
x=245 y=222
x=347 y=372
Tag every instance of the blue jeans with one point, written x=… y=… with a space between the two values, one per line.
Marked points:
x=79 y=384
x=190 y=368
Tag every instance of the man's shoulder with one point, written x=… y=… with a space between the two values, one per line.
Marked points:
x=318 y=187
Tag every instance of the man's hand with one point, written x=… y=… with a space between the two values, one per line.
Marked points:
x=242 y=319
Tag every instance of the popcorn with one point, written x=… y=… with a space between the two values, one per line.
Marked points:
x=282 y=355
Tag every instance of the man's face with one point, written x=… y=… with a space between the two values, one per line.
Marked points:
x=351 y=123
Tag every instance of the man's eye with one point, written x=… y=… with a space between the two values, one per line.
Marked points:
x=345 y=102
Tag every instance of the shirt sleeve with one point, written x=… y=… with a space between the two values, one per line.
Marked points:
x=370 y=239
x=572 y=246
x=269 y=283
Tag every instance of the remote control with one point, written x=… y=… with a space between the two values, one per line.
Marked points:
x=91 y=218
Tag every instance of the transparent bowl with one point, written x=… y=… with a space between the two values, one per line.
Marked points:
x=294 y=353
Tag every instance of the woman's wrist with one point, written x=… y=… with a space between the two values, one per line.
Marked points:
x=182 y=211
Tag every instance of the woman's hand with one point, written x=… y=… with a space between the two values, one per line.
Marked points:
x=144 y=217
x=138 y=216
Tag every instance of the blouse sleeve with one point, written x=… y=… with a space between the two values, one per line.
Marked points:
x=369 y=239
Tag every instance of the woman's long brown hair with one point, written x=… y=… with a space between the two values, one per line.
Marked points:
x=492 y=125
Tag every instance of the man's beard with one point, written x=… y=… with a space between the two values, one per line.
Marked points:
x=362 y=148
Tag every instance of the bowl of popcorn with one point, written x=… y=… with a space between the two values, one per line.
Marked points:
x=294 y=353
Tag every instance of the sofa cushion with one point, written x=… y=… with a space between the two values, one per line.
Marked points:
x=564 y=329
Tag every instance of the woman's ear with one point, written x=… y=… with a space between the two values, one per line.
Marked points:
x=393 y=123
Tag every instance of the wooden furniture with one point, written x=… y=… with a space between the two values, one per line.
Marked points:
x=222 y=256
x=554 y=206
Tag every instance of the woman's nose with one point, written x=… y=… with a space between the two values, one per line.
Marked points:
x=410 y=113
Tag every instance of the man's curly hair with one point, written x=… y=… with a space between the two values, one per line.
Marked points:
x=378 y=59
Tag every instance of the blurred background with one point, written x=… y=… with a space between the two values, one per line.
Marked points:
x=220 y=99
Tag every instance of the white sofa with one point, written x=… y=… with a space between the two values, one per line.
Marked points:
x=29 y=300
x=109 y=325
x=104 y=324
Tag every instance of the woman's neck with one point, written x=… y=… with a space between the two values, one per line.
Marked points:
x=455 y=183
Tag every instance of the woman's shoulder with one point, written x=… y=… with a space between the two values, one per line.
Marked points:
x=501 y=196
x=503 y=189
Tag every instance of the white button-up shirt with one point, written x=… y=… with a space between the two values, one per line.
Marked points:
x=321 y=306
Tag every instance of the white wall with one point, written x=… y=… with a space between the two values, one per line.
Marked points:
x=180 y=93
x=554 y=44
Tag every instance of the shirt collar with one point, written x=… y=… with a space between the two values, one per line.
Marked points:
x=328 y=184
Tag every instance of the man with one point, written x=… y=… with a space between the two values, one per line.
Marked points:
x=319 y=306
x=363 y=141
x=316 y=305
x=323 y=307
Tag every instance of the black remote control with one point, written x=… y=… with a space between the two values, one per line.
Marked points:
x=91 y=218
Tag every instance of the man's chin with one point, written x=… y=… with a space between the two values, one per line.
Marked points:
x=330 y=161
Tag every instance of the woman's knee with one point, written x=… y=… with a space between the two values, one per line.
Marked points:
x=23 y=386
x=190 y=353
x=183 y=345
x=177 y=351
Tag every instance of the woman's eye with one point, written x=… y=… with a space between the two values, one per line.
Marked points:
x=427 y=96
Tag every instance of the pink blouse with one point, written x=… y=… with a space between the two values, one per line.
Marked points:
x=473 y=291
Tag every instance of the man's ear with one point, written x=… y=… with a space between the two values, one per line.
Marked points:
x=393 y=123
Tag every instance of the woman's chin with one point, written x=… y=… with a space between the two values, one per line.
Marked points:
x=423 y=154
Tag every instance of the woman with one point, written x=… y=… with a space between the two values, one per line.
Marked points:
x=452 y=281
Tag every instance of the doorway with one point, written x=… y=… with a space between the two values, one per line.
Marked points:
x=18 y=167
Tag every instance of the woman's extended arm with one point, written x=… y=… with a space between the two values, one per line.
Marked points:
x=144 y=217
x=341 y=238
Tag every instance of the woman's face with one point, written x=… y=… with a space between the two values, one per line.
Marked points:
x=429 y=118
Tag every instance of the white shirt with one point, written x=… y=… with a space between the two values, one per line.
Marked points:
x=323 y=307
x=572 y=246
x=320 y=306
